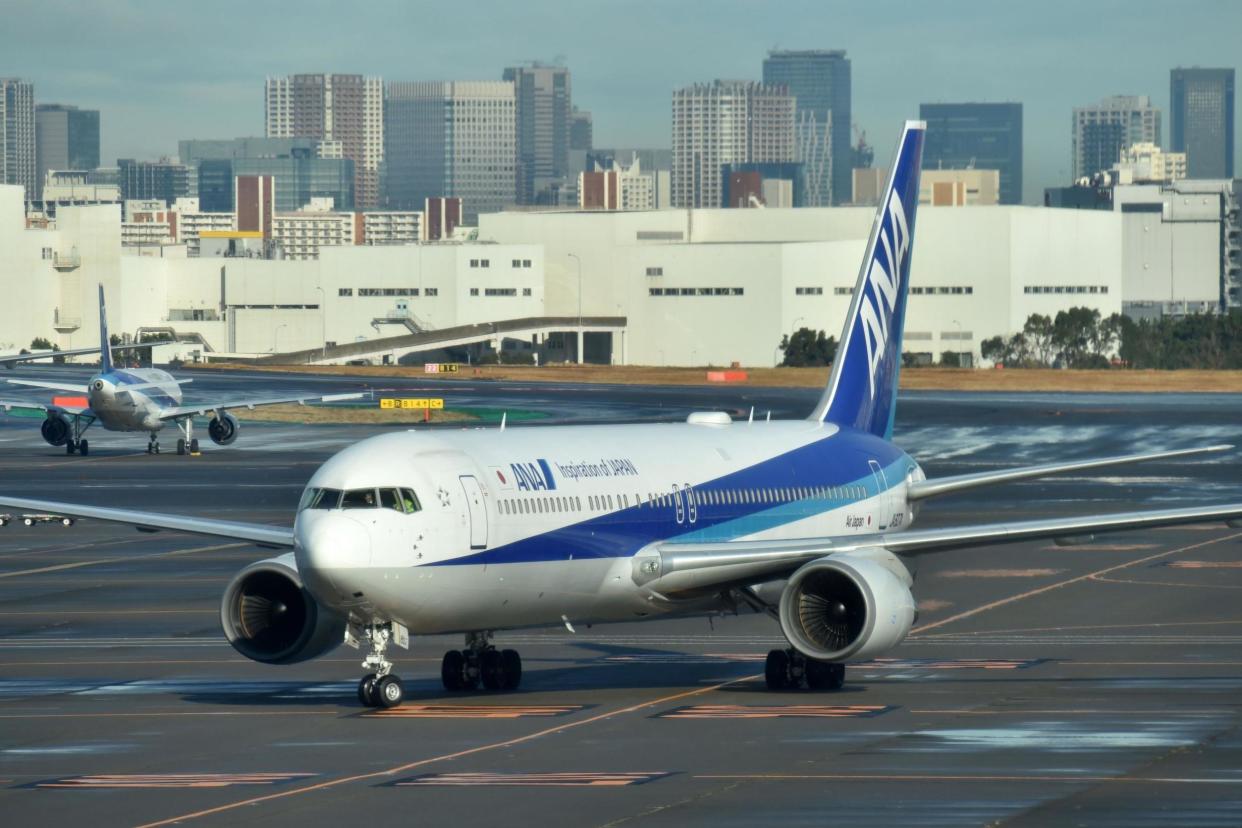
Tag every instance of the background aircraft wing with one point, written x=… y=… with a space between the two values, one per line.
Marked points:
x=963 y=482
x=7 y=405
x=176 y=413
x=55 y=386
x=258 y=533
x=681 y=566
x=15 y=359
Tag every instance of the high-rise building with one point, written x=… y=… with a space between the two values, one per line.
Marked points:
x=544 y=103
x=983 y=136
x=344 y=112
x=300 y=171
x=451 y=138
x=1103 y=130
x=17 y=135
x=726 y=122
x=1202 y=123
x=163 y=180
x=581 y=130
x=66 y=138
x=820 y=81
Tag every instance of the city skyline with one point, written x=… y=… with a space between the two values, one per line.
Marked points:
x=157 y=80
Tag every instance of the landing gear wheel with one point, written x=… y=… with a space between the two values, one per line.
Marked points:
x=491 y=671
x=510 y=669
x=389 y=692
x=452 y=670
x=66 y=521
x=157 y=448
x=84 y=448
x=194 y=446
x=366 y=691
x=69 y=447
x=776 y=670
x=824 y=675
x=180 y=445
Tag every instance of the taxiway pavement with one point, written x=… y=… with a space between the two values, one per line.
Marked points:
x=1044 y=685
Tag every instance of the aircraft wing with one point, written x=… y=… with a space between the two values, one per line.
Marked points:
x=673 y=566
x=963 y=482
x=176 y=413
x=15 y=359
x=55 y=386
x=8 y=405
x=261 y=534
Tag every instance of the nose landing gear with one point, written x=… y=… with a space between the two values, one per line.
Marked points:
x=481 y=662
x=379 y=688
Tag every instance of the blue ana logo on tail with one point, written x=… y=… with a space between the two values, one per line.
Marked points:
x=862 y=392
x=884 y=284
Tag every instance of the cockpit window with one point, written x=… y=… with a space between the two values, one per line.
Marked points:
x=410 y=501
x=390 y=499
x=359 y=499
x=320 y=499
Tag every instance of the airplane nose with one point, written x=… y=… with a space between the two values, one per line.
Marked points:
x=329 y=544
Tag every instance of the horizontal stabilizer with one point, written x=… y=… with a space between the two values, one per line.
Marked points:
x=963 y=482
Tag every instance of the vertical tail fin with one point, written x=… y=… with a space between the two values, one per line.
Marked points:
x=862 y=392
x=105 y=347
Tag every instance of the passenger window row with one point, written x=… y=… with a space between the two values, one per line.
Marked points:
x=547 y=504
x=398 y=499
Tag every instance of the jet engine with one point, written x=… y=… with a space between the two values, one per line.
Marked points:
x=269 y=616
x=56 y=429
x=848 y=607
x=223 y=428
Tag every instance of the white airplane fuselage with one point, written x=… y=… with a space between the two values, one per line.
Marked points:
x=538 y=526
x=131 y=399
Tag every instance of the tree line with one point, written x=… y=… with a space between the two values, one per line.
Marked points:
x=1080 y=338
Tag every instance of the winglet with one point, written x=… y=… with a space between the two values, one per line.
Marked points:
x=862 y=392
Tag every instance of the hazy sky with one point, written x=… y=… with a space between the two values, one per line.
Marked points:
x=162 y=71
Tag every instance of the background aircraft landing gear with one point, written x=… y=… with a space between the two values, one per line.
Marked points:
x=153 y=447
x=186 y=443
x=82 y=447
x=480 y=662
x=791 y=670
x=379 y=688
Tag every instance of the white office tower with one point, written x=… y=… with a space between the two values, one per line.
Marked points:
x=1103 y=130
x=726 y=122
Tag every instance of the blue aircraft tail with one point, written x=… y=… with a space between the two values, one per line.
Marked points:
x=105 y=347
x=862 y=392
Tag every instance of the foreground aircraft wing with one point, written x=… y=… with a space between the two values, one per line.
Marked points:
x=678 y=566
x=15 y=359
x=258 y=533
x=203 y=409
x=55 y=386
x=963 y=482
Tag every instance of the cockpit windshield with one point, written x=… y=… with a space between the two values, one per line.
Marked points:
x=398 y=499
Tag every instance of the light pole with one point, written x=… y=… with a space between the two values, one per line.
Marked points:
x=574 y=256
x=960 y=340
x=323 y=319
x=276 y=336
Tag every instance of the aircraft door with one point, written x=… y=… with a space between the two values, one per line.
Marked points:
x=884 y=509
x=477 y=509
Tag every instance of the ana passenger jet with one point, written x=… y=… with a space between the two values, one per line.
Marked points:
x=137 y=399
x=482 y=530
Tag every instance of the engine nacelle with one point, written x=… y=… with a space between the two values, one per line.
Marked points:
x=269 y=616
x=56 y=429
x=848 y=607
x=223 y=428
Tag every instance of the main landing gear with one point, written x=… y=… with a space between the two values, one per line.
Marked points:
x=790 y=670
x=187 y=441
x=75 y=443
x=480 y=662
x=379 y=688
x=153 y=447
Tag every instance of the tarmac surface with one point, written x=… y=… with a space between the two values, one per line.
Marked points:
x=1044 y=685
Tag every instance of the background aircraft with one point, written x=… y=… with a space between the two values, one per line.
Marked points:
x=138 y=399
x=478 y=530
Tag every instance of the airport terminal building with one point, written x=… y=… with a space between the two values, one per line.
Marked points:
x=673 y=287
